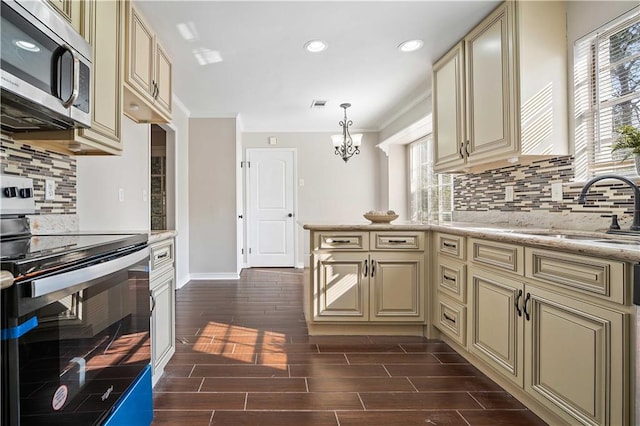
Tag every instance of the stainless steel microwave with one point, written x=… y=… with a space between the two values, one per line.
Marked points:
x=45 y=71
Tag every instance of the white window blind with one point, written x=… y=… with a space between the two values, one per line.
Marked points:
x=607 y=95
x=431 y=195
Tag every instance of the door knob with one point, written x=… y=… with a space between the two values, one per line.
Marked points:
x=290 y=215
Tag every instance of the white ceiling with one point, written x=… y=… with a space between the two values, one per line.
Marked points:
x=268 y=79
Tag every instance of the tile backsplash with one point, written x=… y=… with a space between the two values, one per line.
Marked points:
x=483 y=192
x=40 y=164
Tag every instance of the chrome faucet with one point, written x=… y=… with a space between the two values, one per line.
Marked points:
x=635 y=226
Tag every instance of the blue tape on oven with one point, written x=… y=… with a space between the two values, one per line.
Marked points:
x=16 y=332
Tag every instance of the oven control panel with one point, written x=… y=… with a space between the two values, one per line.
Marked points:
x=16 y=195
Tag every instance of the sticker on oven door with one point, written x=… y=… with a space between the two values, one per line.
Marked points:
x=60 y=397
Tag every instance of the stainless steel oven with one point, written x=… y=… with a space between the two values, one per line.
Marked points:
x=75 y=319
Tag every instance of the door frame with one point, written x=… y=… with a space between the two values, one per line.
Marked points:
x=247 y=197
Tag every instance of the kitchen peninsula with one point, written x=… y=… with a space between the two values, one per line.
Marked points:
x=546 y=313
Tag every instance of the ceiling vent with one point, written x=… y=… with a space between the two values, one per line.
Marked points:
x=318 y=104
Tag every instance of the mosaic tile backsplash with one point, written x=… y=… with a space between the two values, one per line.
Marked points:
x=40 y=164
x=532 y=190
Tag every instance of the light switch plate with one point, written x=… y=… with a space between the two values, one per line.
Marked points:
x=121 y=194
x=556 y=191
x=50 y=189
x=508 y=193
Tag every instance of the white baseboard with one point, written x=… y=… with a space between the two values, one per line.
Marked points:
x=300 y=265
x=215 y=276
x=183 y=282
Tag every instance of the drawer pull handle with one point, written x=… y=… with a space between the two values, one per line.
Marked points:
x=366 y=267
x=448 y=318
x=518 y=303
x=448 y=278
x=398 y=241
x=162 y=255
x=339 y=241
x=449 y=245
x=526 y=302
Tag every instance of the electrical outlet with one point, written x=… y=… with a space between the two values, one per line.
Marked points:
x=121 y=194
x=50 y=189
x=508 y=193
x=556 y=191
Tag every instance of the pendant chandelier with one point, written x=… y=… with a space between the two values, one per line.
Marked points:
x=345 y=145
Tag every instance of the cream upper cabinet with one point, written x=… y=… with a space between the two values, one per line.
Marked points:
x=148 y=75
x=163 y=78
x=70 y=10
x=102 y=26
x=489 y=77
x=514 y=86
x=448 y=108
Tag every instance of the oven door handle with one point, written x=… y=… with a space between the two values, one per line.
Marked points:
x=42 y=286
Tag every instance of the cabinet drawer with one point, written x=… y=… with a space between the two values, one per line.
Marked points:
x=507 y=257
x=452 y=245
x=451 y=278
x=397 y=241
x=451 y=319
x=161 y=255
x=607 y=279
x=342 y=241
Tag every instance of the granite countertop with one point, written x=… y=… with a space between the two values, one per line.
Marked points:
x=161 y=235
x=598 y=244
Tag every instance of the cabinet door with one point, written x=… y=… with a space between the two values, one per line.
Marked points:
x=575 y=361
x=396 y=287
x=341 y=286
x=448 y=110
x=162 y=321
x=495 y=327
x=163 y=79
x=140 y=53
x=104 y=33
x=70 y=10
x=489 y=50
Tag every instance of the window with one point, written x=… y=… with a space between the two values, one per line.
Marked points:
x=430 y=194
x=607 y=95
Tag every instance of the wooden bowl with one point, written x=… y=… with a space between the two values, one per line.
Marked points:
x=384 y=218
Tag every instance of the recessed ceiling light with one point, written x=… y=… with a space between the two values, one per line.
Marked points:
x=27 y=45
x=315 y=46
x=410 y=45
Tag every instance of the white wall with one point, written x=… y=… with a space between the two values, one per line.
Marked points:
x=180 y=125
x=333 y=191
x=101 y=177
x=212 y=198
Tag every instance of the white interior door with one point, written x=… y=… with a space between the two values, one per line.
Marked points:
x=271 y=221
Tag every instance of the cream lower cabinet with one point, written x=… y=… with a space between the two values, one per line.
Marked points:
x=450 y=290
x=341 y=287
x=380 y=287
x=162 y=289
x=566 y=353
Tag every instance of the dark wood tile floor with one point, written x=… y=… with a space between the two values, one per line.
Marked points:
x=244 y=357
